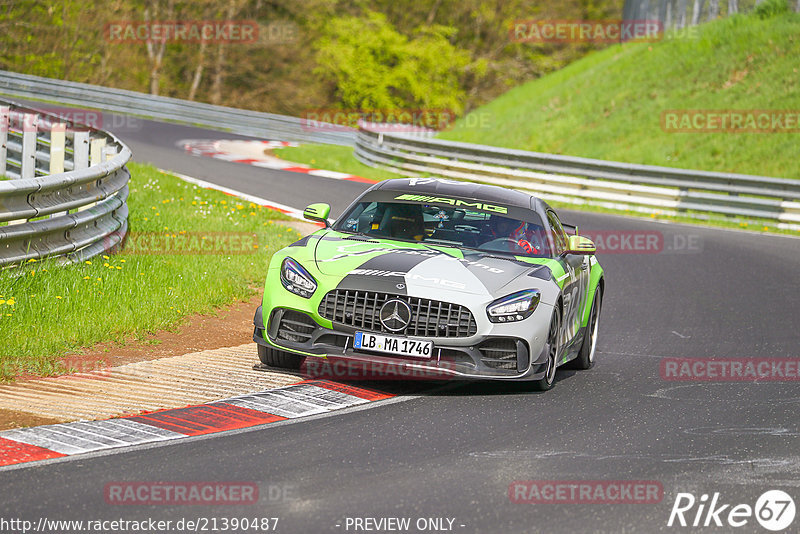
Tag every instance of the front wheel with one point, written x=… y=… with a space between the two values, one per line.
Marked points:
x=279 y=358
x=546 y=382
x=585 y=359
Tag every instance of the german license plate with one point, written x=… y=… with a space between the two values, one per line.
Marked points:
x=401 y=346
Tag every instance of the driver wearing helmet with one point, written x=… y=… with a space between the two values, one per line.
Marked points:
x=516 y=231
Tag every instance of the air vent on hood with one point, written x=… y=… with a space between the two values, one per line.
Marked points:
x=365 y=239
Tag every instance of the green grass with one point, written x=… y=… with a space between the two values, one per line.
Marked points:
x=48 y=310
x=608 y=105
x=332 y=158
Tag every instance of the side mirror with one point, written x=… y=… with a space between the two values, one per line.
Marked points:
x=318 y=213
x=580 y=245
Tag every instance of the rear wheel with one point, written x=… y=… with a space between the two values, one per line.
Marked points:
x=549 y=378
x=278 y=358
x=585 y=359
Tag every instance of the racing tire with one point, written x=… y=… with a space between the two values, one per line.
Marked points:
x=549 y=378
x=585 y=358
x=279 y=358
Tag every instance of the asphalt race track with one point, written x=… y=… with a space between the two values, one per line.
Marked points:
x=452 y=451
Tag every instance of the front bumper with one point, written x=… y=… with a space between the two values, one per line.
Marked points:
x=488 y=356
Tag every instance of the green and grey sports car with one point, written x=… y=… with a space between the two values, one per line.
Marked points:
x=445 y=278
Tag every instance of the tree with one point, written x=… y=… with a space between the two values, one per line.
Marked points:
x=680 y=16
x=713 y=9
x=155 y=50
x=697 y=11
x=372 y=66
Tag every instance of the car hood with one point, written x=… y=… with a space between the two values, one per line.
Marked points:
x=415 y=268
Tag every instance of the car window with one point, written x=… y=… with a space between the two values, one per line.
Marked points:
x=442 y=224
x=560 y=239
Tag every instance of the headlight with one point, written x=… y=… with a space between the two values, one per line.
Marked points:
x=296 y=279
x=514 y=307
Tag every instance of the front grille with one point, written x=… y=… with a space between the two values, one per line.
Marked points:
x=499 y=353
x=295 y=326
x=429 y=318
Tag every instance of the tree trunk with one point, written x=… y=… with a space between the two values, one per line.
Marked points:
x=219 y=65
x=198 y=71
x=697 y=11
x=680 y=16
x=669 y=20
x=216 y=83
x=713 y=9
x=733 y=7
x=432 y=12
x=155 y=51
x=662 y=14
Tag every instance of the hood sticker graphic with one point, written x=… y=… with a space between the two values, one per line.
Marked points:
x=443 y=272
x=414 y=269
x=385 y=273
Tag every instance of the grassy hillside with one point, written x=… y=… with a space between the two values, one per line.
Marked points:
x=608 y=105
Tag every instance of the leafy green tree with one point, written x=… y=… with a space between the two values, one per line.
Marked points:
x=370 y=65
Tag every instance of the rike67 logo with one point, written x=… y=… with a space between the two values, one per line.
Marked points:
x=774 y=510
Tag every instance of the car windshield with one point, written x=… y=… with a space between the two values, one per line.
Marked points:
x=513 y=233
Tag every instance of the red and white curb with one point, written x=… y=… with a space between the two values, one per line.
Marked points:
x=252 y=153
x=66 y=439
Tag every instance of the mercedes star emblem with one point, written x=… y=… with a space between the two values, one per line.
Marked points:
x=395 y=315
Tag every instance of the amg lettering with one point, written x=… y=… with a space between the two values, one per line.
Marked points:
x=454 y=202
x=375 y=272
x=440 y=281
x=482 y=266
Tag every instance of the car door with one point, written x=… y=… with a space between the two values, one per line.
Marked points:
x=576 y=287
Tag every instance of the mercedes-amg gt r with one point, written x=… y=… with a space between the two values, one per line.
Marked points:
x=458 y=279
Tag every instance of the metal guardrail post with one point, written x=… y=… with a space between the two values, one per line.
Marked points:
x=96 y=151
x=30 y=127
x=109 y=152
x=80 y=147
x=5 y=114
x=58 y=141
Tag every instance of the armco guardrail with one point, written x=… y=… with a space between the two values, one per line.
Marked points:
x=240 y=121
x=63 y=187
x=586 y=181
